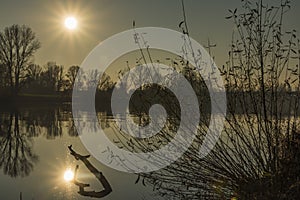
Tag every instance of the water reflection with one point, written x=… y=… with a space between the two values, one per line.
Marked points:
x=33 y=148
x=17 y=156
x=18 y=128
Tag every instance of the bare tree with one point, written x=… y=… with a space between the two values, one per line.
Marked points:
x=34 y=72
x=53 y=76
x=71 y=76
x=17 y=46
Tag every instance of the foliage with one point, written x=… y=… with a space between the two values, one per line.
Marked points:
x=257 y=156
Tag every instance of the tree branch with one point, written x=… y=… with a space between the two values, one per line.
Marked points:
x=107 y=188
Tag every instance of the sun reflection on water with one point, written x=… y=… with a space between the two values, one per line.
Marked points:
x=68 y=175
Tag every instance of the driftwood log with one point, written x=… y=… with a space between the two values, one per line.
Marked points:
x=107 y=188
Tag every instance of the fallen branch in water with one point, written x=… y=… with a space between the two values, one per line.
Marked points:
x=107 y=188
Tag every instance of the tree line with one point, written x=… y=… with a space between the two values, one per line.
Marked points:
x=20 y=75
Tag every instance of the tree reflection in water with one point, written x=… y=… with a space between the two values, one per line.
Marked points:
x=17 y=158
x=19 y=126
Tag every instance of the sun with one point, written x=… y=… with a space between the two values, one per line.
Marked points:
x=68 y=175
x=71 y=23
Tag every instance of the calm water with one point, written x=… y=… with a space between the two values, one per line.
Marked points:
x=34 y=157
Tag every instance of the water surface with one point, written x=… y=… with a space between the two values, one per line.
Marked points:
x=34 y=157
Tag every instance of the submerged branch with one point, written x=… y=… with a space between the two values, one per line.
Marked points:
x=107 y=188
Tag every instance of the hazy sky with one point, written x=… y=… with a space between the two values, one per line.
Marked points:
x=99 y=19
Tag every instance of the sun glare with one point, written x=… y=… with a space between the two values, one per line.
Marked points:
x=68 y=175
x=71 y=23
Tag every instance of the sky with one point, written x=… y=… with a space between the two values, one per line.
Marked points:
x=100 y=19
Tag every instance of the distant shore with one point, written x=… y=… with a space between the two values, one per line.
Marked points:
x=103 y=101
x=34 y=98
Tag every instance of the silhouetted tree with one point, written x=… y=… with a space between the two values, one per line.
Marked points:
x=105 y=83
x=52 y=77
x=34 y=72
x=33 y=83
x=17 y=46
x=71 y=76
